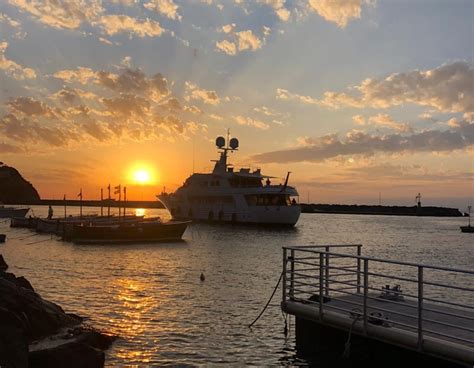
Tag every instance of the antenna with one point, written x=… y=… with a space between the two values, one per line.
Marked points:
x=194 y=149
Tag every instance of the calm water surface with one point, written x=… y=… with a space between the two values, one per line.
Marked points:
x=152 y=297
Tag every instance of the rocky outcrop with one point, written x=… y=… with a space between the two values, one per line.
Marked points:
x=38 y=333
x=14 y=188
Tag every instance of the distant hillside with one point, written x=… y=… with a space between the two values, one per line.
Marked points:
x=14 y=188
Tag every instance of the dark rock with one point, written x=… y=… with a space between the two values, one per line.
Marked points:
x=8 y=276
x=13 y=345
x=15 y=189
x=76 y=317
x=40 y=317
x=71 y=355
x=96 y=339
x=24 y=283
x=3 y=264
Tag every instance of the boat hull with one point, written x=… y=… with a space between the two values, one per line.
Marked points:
x=467 y=229
x=7 y=212
x=24 y=222
x=144 y=232
x=284 y=216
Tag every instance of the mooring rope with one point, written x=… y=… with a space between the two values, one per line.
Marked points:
x=268 y=303
x=347 y=346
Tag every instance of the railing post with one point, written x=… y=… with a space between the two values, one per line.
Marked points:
x=321 y=280
x=366 y=291
x=420 y=308
x=284 y=276
x=358 y=269
x=292 y=276
x=326 y=291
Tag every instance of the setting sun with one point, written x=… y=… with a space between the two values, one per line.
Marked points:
x=142 y=176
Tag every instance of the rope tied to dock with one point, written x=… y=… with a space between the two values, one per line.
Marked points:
x=269 y=300
x=356 y=313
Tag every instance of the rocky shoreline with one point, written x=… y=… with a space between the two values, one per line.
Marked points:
x=38 y=333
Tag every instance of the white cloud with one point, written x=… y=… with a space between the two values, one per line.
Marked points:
x=193 y=92
x=241 y=120
x=61 y=14
x=113 y=24
x=338 y=11
x=12 y=68
x=164 y=7
x=447 y=88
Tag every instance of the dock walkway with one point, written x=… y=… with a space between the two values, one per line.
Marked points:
x=430 y=309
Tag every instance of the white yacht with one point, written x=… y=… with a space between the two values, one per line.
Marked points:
x=228 y=195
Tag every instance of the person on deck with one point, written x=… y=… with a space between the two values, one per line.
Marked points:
x=50 y=212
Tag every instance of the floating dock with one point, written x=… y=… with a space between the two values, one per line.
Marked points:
x=428 y=313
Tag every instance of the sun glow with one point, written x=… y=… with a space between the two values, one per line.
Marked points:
x=142 y=175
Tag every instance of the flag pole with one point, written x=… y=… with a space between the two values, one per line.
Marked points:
x=101 y=202
x=80 y=196
x=108 y=202
x=124 y=200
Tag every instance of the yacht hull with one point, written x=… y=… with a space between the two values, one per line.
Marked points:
x=227 y=213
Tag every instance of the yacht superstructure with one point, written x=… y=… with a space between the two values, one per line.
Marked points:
x=227 y=195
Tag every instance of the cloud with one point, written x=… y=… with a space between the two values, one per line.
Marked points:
x=172 y=104
x=80 y=75
x=279 y=8
x=241 y=120
x=9 y=148
x=386 y=121
x=340 y=11
x=61 y=14
x=266 y=111
x=31 y=107
x=193 y=92
x=358 y=119
x=447 y=88
x=360 y=143
x=128 y=81
x=12 y=68
x=11 y=22
x=240 y=41
x=25 y=130
x=228 y=47
x=164 y=7
x=127 y=105
x=113 y=24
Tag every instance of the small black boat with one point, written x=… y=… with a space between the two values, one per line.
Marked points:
x=467 y=229
x=139 y=232
x=3 y=237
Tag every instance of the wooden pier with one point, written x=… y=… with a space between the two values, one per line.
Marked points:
x=429 y=310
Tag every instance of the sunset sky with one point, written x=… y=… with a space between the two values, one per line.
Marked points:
x=354 y=97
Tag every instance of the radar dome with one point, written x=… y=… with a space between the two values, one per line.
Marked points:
x=220 y=142
x=234 y=143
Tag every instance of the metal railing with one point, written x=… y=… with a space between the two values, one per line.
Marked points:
x=435 y=301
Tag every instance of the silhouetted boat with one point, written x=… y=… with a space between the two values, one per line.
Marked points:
x=8 y=212
x=59 y=225
x=2 y=238
x=467 y=229
x=138 y=232
x=24 y=222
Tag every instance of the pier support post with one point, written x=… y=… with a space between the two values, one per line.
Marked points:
x=420 y=308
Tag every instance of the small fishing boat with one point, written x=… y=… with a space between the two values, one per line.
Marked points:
x=139 y=232
x=467 y=229
x=59 y=225
x=24 y=222
x=3 y=237
x=9 y=212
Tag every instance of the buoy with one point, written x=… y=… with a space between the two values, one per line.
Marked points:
x=202 y=277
